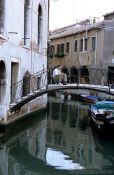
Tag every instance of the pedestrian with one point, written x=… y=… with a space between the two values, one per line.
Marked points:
x=64 y=75
x=57 y=74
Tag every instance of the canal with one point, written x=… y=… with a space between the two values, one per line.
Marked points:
x=58 y=141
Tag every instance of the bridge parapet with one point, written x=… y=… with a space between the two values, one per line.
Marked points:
x=33 y=83
x=84 y=76
x=28 y=85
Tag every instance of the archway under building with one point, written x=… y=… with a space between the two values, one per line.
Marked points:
x=84 y=74
x=2 y=87
x=110 y=74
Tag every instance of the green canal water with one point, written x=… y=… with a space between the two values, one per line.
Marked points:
x=58 y=141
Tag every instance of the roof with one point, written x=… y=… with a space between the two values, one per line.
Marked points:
x=108 y=14
x=76 y=28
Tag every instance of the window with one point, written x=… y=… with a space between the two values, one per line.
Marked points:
x=81 y=45
x=67 y=47
x=75 y=45
x=58 y=48
x=85 y=44
x=93 y=43
x=2 y=15
x=26 y=21
x=62 y=48
x=52 y=49
x=39 y=24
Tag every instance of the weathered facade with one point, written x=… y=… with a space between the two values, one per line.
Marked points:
x=87 y=43
x=23 y=44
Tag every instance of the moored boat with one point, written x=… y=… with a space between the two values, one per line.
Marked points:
x=102 y=114
x=88 y=98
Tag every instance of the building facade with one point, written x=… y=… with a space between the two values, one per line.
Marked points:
x=23 y=44
x=88 y=43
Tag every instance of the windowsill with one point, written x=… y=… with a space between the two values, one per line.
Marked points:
x=3 y=37
x=66 y=54
x=26 y=47
x=84 y=52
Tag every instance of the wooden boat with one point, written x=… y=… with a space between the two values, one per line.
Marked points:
x=89 y=98
x=102 y=114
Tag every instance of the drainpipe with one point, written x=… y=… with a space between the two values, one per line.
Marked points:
x=47 y=43
x=96 y=49
x=31 y=35
x=48 y=31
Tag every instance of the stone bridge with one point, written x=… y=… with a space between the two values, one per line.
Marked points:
x=42 y=82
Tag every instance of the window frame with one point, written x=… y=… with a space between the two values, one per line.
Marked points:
x=52 y=49
x=62 y=48
x=85 y=44
x=81 y=45
x=67 y=49
x=93 y=44
x=75 y=45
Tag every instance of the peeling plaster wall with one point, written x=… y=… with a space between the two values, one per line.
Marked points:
x=12 y=48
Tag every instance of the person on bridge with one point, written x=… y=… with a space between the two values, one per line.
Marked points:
x=57 y=74
x=63 y=75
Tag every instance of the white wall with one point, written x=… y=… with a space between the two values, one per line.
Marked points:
x=14 y=50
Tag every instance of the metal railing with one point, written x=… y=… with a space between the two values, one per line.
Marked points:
x=44 y=77
x=29 y=85
x=86 y=76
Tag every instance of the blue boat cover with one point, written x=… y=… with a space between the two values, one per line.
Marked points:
x=104 y=105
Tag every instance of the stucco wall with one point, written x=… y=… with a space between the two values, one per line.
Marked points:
x=101 y=57
x=108 y=53
x=12 y=48
x=89 y=57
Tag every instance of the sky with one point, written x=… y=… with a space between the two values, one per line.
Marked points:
x=67 y=12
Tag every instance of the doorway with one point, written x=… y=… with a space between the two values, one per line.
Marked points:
x=110 y=74
x=14 y=78
x=2 y=80
x=2 y=88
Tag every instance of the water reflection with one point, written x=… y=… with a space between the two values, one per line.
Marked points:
x=59 y=160
x=58 y=141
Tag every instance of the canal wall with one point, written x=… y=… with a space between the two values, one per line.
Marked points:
x=26 y=111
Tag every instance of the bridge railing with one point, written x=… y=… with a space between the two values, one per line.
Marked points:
x=28 y=85
x=86 y=76
x=31 y=83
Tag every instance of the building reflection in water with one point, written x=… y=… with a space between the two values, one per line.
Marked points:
x=60 y=141
x=67 y=130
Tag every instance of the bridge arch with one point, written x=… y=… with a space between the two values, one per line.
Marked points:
x=44 y=88
x=48 y=89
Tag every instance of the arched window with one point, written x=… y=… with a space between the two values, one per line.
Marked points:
x=2 y=70
x=2 y=16
x=39 y=24
x=26 y=21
